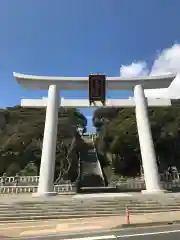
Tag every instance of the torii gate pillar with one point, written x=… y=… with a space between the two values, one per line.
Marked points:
x=148 y=155
x=48 y=157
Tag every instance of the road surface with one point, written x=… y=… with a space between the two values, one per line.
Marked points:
x=145 y=233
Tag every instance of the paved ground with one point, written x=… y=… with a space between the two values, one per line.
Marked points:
x=155 y=233
x=35 y=230
x=149 y=233
x=32 y=229
x=102 y=195
x=10 y=198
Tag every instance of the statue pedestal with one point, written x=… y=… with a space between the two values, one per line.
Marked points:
x=44 y=194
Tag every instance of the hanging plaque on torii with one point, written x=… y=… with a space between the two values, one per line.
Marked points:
x=97 y=88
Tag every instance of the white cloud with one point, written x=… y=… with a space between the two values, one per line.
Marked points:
x=134 y=69
x=168 y=61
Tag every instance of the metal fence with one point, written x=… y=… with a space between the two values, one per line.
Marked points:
x=70 y=188
x=166 y=177
x=22 y=179
x=63 y=188
x=28 y=184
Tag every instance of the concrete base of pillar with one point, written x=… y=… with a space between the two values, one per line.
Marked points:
x=44 y=194
x=154 y=191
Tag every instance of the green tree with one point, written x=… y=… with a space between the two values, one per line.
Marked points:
x=21 y=135
x=118 y=137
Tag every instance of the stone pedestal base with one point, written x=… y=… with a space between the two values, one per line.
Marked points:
x=44 y=194
x=154 y=191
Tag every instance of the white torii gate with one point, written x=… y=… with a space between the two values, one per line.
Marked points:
x=53 y=102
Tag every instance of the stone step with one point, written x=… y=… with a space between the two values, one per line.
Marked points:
x=65 y=216
x=13 y=206
x=59 y=208
x=85 y=205
x=98 y=199
x=88 y=199
x=93 y=205
x=83 y=211
x=43 y=217
x=88 y=205
x=89 y=209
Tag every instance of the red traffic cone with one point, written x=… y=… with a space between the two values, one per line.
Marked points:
x=127 y=216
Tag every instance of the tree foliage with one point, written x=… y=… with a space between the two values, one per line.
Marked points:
x=21 y=135
x=118 y=137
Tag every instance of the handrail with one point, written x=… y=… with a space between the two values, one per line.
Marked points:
x=98 y=160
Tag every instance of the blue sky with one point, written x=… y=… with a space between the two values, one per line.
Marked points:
x=76 y=37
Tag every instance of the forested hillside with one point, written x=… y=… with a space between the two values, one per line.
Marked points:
x=21 y=134
x=118 y=143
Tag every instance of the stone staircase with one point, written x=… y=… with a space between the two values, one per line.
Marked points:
x=91 y=172
x=81 y=208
